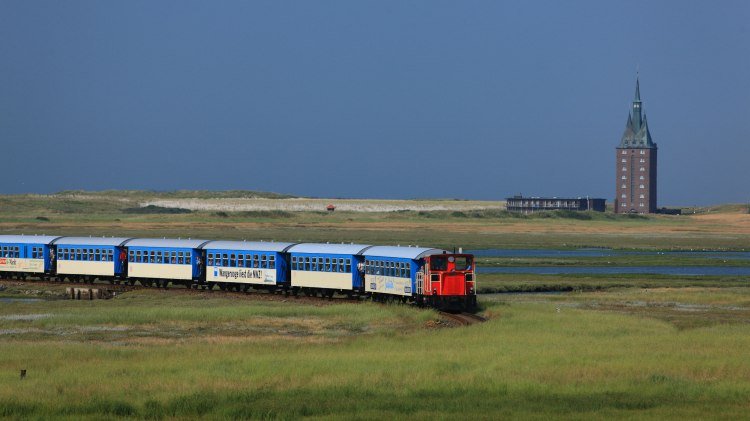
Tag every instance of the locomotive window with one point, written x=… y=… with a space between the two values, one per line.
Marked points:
x=463 y=263
x=438 y=263
x=272 y=262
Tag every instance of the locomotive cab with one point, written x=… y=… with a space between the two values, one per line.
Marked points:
x=449 y=282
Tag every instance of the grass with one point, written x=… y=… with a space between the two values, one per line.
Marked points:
x=521 y=283
x=539 y=357
x=111 y=213
x=600 y=346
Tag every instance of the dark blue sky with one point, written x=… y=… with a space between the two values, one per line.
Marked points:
x=390 y=99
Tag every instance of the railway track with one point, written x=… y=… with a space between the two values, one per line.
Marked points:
x=463 y=319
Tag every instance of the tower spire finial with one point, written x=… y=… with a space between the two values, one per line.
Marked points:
x=637 y=86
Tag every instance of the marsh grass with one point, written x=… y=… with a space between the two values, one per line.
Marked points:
x=530 y=360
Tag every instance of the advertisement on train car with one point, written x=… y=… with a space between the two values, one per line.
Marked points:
x=241 y=275
x=16 y=264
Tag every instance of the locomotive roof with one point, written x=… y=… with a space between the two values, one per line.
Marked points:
x=91 y=241
x=165 y=242
x=401 y=252
x=28 y=239
x=328 y=248
x=247 y=245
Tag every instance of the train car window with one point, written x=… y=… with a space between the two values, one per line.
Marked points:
x=307 y=264
x=294 y=262
x=408 y=270
x=188 y=257
x=240 y=260
x=463 y=263
x=320 y=264
x=232 y=260
x=264 y=261
x=438 y=263
x=110 y=255
x=313 y=263
x=174 y=257
x=210 y=259
x=224 y=259
x=98 y=255
x=180 y=257
x=78 y=254
x=256 y=261
x=272 y=261
x=328 y=264
x=348 y=265
x=152 y=257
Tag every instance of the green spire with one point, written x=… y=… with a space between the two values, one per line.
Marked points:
x=636 y=133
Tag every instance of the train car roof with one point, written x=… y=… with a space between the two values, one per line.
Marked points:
x=166 y=242
x=328 y=248
x=91 y=241
x=247 y=245
x=401 y=252
x=28 y=239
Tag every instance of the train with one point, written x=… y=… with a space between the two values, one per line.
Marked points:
x=409 y=274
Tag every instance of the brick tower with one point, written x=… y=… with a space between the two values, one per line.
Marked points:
x=636 y=163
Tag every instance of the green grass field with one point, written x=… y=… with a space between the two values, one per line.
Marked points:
x=562 y=346
x=164 y=355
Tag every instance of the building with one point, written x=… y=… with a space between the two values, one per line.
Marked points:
x=636 y=163
x=536 y=204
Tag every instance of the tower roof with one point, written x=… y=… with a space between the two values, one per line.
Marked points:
x=636 y=133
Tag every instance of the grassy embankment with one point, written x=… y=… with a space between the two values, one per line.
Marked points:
x=657 y=353
x=121 y=214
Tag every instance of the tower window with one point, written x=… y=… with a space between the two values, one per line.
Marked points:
x=641 y=177
x=623 y=177
x=643 y=169
x=623 y=160
x=624 y=169
x=641 y=186
x=643 y=152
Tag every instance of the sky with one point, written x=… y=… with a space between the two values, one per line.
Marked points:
x=372 y=99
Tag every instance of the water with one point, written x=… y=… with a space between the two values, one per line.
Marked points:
x=610 y=270
x=19 y=300
x=604 y=253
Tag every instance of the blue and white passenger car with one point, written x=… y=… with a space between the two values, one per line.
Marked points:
x=167 y=259
x=26 y=254
x=93 y=257
x=247 y=262
x=395 y=270
x=327 y=266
